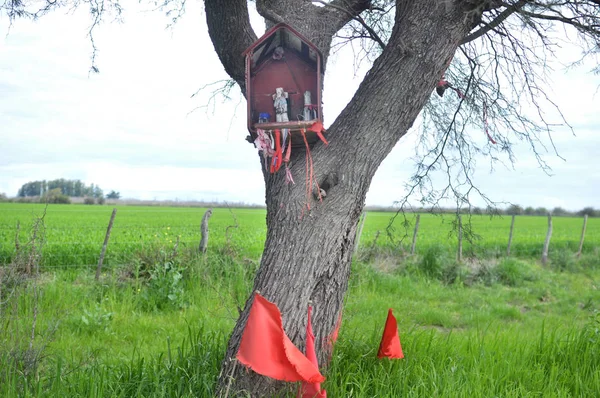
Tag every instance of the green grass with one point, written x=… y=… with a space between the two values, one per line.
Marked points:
x=75 y=233
x=157 y=325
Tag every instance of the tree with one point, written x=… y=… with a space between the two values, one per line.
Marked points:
x=514 y=210
x=485 y=47
x=73 y=188
x=559 y=212
x=113 y=195
x=55 y=196
x=589 y=211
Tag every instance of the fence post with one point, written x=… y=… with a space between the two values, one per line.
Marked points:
x=460 y=238
x=204 y=231
x=585 y=217
x=374 y=243
x=547 y=241
x=414 y=241
x=510 y=235
x=106 y=238
x=359 y=232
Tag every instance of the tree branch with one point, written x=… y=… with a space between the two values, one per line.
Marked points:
x=231 y=34
x=349 y=8
x=355 y=15
x=495 y=23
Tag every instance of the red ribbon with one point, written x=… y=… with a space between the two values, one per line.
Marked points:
x=278 y=157
x=485 y=123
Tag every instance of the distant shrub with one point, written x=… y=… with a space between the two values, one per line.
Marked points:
x=34 y=199
x=100 y=200
x=559 y=211
x=88 y=201
x=3 y=197
x=514 y=210
x=512 y=272
x=454 y=272
x=589 y=211
x=431 y=263
x=590 y=260
x=563 y=260
x=55 y=196
x=485 y=273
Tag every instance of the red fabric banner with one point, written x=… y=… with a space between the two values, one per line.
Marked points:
x=311 y=390
x=267 y=350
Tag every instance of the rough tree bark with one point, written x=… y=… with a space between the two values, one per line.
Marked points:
x=307 y=253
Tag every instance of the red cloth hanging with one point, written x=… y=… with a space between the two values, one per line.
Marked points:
x=267 y=350
x=318 y=128
x=311 y=390
x=309 y=172
x=278 y=156
x=334 y=335
x=486 y=125
x=390 y=341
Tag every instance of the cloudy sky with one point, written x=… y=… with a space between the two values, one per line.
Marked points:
x=133 y=127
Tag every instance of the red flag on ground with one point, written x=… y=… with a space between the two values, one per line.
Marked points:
x=311 y=390
x=267 y=350
x=390 y=341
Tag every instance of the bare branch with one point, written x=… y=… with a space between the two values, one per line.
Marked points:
x=230 y=39
x=350 y=12
x=495 y=23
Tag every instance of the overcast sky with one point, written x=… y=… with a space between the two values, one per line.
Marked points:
x=130 y=128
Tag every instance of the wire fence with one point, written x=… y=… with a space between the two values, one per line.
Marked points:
x=80 y=246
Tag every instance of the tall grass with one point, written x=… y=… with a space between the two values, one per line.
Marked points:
x=481 y=363
x=157 y=325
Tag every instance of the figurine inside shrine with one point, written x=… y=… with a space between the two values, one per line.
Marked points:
x=281 y=105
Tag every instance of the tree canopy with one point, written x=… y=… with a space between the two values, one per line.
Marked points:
x=72 y=188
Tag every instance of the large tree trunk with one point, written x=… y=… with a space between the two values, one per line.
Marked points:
x=307 y=253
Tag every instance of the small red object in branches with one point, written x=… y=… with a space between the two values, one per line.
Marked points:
x=485 y=123
x=443 y=84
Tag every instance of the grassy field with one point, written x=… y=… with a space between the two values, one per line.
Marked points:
x=75 y=233
x=157 y=323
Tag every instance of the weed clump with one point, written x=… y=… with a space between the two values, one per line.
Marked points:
x=564 y=260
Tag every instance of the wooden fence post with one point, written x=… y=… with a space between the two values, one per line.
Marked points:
x=359 y=232
x=204 y=231
x=414 y=241
x=510 y=235
x=374 y=243
x=106 y=238
x=585 y=217
x=460 y=238
x=547 y=241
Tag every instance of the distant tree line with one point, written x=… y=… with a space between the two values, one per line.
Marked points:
x=516 y=210
x=557 y=211
x=70 y=188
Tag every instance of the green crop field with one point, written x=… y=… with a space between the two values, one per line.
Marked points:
x=157 y=322
x=75 y=233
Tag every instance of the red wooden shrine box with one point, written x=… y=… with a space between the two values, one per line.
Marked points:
x=283 y=58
